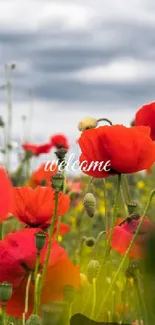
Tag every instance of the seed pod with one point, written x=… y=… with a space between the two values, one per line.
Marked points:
x=89 y=204
x=87 y=123
x=83 y=280
x=5 y=291
x=40 y=240
x=90 y=241
x=57 y=181
x=92 y=270
x=132 y=269
x=34 y=320
x=132 y=206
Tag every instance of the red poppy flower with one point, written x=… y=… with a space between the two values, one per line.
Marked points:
x=42 y=176
x=74 y=185
x=124 y=233
x=59 y=141
x=35 y=207
x=18 y=256
x=35 y=149
x=129 y=150
x=5 y=195
x=146 y=116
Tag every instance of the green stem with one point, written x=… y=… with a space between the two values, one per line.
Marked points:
x=3 y=315
x=97 y=240
x=64 y=182
x=128 y=251
x=105 y=120
x=35 y=281
x=1 y=231
x=58 y=228
x=124 y=201
x=126 y=188
x=36 y=266
x=94 y=299
x=27 y=298
x=50 y=241
x=141 y=301
x=114 y=217
x=105 y=205
x=90 y=183
x=138 y=312
x=37 y=294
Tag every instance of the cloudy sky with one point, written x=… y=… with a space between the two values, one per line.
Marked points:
x=76 y=58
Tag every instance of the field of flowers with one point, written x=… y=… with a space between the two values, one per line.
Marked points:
x=83 y=244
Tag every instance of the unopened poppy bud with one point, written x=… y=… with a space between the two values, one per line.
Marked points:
x=34 y=320
x=2 y=124
x=57 y=181
x=92 y=270
x=55 y=313
x=132 y=269
x=90 y=241
x=87 y=123
x=5 y=291
x=69 y=294
x=83 y=280
x=132 y=206
x=40 y=240
x=61 y=153
x=90 y=204
x=9 y=146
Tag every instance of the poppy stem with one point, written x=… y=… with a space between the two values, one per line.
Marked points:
x=94 y=299
x=36 y=267
x=36 y=295
x=1 y=231
x=127 y=252
x=105 y=205
x=3 y=315
x=126 y=188
x=104 y=119
x=50 y=241
x=141 y=300
x=97 y=240
x=107 y=248
x=58 y=228
x=36 y=284
x=26 y=298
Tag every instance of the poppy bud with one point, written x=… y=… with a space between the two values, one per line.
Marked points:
x=132 y=206
x=90 y=241
x=57 y=181
x=132 y=269
x=40 y=240
x=34 y=320
x=2 y=150
x=90 y=204
x=69 y=294
x=55 y=313
x=5 y=291
x=92 y=270
x=2 y=124
x=61 y=153
x=83 y=280
x=87 y=123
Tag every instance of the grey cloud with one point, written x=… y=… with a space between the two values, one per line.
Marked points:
x=52 y=51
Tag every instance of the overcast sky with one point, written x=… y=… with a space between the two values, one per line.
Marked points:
x=78 y=58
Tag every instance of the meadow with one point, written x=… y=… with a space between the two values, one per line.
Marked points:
x=82 y=244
